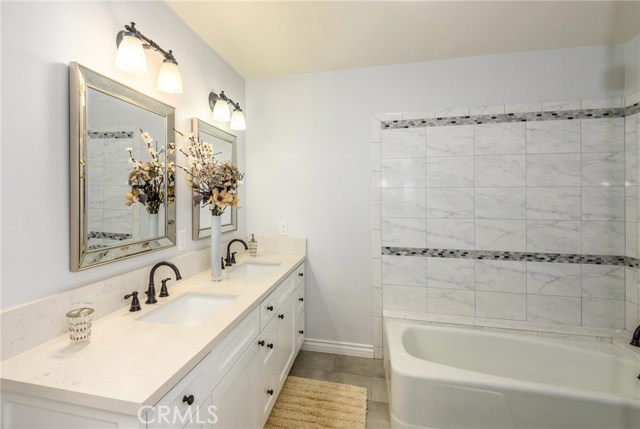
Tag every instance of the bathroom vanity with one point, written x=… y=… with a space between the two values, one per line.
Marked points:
x=154 y=369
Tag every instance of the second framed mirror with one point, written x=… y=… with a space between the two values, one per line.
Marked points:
x=224 y=146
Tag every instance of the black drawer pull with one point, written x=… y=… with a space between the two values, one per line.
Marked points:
x=270 y=392
x=301 y=299
x=302 y=331
x=301 y=274
x=261 y=343
x=188 y=399
x=270 y=345
x=280 y=316
x=270 y=308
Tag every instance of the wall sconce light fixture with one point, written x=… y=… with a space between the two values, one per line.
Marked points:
x=130 y=58
x=219 y=105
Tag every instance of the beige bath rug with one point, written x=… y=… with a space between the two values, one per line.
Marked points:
x=313 y=404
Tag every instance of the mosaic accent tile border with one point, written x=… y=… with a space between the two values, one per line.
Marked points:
x=118 y=236
x=111 y=134
x=514 y=117
x=558 y=258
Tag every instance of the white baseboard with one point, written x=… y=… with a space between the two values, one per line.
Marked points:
x=338 y=348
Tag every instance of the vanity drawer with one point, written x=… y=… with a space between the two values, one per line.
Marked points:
x=300 y=299
x=266 y=350
x=299 y=274
x=271 y=304
x=267 y=393
x=299 y=333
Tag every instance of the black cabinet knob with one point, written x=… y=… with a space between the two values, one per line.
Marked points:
x=188 y=399
x=270 y=392
x=301 y=331
x=301 y=299
x=270 y=345
x=270 y=308
x=280 y=316
x=261 y=343
x=301 y=274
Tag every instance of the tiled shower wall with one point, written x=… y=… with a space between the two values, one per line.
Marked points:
x=535 y=184
x=632 y=214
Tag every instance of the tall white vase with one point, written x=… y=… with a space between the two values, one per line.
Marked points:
x=216 y=252
x=153 y=225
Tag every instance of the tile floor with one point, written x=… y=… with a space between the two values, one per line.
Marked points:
x=361 y=372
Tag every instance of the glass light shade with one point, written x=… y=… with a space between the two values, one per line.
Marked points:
x=130 y=56
x=169 y=78
x=221 y=112
x=237 y=120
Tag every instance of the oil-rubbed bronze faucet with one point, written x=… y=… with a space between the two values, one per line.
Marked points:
x=231 y=258
x=151 y=292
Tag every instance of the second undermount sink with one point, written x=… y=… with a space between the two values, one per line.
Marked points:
x=253 y=268
x=191 y=309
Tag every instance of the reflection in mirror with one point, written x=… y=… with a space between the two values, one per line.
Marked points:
x=122 y=199
x=224 y=147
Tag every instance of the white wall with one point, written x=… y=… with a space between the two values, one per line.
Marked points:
x=632 y=66
x=39 y=39
x=309 y=144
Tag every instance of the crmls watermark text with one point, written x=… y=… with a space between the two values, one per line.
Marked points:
x=164 y=414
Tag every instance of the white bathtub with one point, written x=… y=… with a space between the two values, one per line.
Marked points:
x=461 y=378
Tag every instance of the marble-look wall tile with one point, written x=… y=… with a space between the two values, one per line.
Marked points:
x=450 y=141
x=630 y=168
x=500 y=170
x=500 y=203
x=603 y=203
x=403 y=143
x=549 y=106
x=118 y=173
x=602 y=103
x=523 y=108
x=450 y=233
x=404 y=202
x=553 y=170
x=500 y=139
x=553 y=136
x=450 y=172
x=501 y=305
x=404 y=298
x=118 y=221
x=450 y=203
x=494 y=109
x=419 y=114
x=554 y=309
x=501 y=235
x=603 y=313
x=603 y=281
x=545 y=278
x=554 y=203
x=602 y=237
x=602 y=135
x=450 y=273
x=404 y=270
x=603 y=169
x=501 y=276
x=630 y=132
x=452 y=111
x=553 y=236
x=451 y=301
x=631 y=204
x=631 y=239
x=408 y=232
x=631 y=285
x=403 y=172
x=632 y=99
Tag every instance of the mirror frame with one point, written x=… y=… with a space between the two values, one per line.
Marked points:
x=198 y=125
x=81 y=257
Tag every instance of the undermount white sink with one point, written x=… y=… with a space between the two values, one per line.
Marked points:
x=253 y=268
x=192 y=309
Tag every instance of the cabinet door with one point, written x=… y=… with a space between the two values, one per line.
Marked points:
x=286 y=324
x=234 y=399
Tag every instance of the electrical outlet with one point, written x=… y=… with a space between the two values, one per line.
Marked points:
x=283 y=228
x=182 y=240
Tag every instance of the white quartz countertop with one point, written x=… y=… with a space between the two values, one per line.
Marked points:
x=131 y=363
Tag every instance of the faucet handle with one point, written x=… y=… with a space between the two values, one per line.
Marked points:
x=163 y=289
x=222 y=265
x=233 y=257
x=135 y=303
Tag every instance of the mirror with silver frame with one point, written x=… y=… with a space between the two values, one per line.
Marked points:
x=121 y=183
x=224 y=147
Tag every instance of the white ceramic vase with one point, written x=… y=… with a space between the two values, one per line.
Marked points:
x=216 y=252
x=153 y=225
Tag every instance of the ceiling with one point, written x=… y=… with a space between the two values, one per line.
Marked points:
x=274 y=38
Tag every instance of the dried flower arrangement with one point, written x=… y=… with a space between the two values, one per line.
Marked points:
x=215 y=184
x=147 y=178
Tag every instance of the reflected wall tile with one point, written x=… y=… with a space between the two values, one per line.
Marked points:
x=602 y=237
x=602 y=135
x=631 y=239
x=450 y=172
x=501 y=276
x=408 y=232
x=403 y=172
x=545 y=278
x=115 y=150
x=603 y=281
x=630 y=168
x=451 y=301
x=450 y=234
x=118 y=173
x=450 y=273
x=550 y=106
x=376 y=219
x=452 y=111
x=113 y=197
x=553 y=170
x=501 y=235
x=631 y=204
x=419 y=114
x=553 y=136
x=523 y=107
x=404 y=270
x=403 y=143
x=454 y=140
x=603 y=169
x=554 y=309
x=500 y=139
x=630 y=132
x=404 y=298
x=404 y=202
x=554 y=203
x=496 y=305
x=500 y=170
x=118 y=221
x=494 y=109
x=603 y=203
x=500 y=203
x=553 y=236
x=603 y=313
x=452 y=203
x=631 y=285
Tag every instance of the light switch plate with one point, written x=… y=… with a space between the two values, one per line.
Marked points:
x=283 y=228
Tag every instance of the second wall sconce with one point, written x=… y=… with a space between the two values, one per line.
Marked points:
x=130 y=58
x=219 y=104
